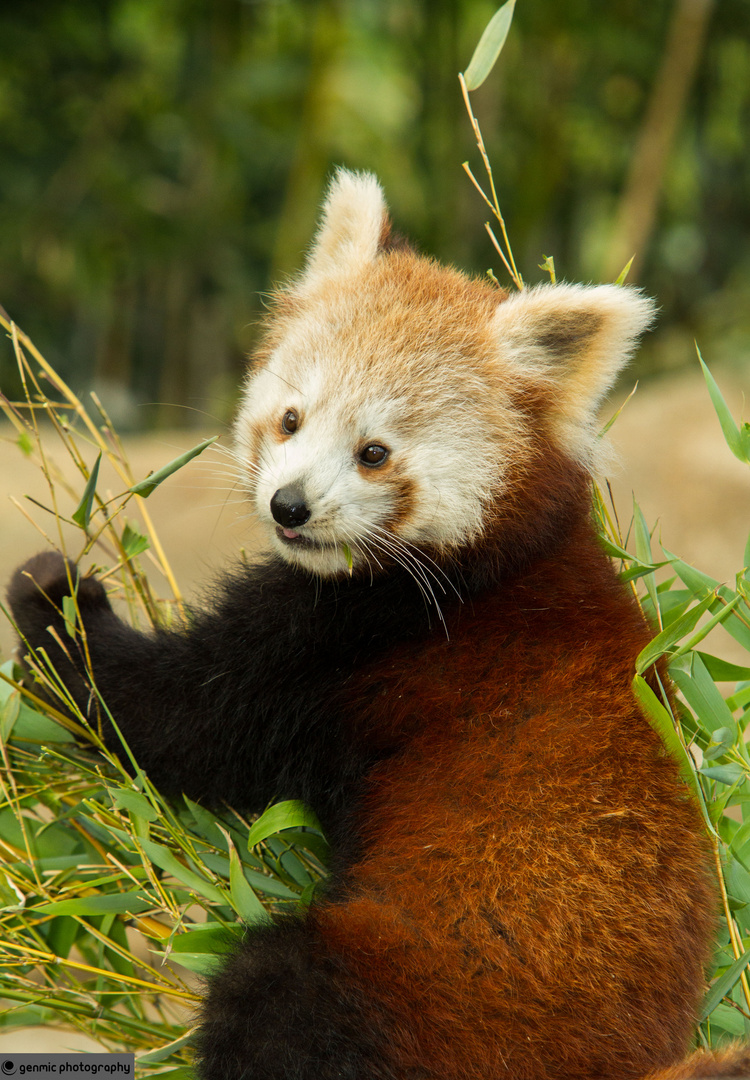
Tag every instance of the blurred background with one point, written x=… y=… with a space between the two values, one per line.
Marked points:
x=161 y=163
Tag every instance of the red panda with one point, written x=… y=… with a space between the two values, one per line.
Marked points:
x=437 y=657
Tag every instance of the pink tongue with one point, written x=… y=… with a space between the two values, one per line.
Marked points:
x=290 y=534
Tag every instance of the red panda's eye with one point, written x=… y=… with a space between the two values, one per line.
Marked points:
x=289 y=422
x=373 y=455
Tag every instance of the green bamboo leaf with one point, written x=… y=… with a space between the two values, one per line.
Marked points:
x=722 y=671
x=700 y=584
x=643 y=550
x=724 y=1019
x=312 y=842
x=61 y=934
x=111 y=903
x=206 y=823
x=210 y=937
x=244 y=901
x=127 y=799
x=31 y=726
x=613 y=419
x=133 y=542
x=11 y=897
x=161 y=1053
x=737 y=881
x=70 y=615
x=671 y=634
x=25 y=445
x=270 y=886
x=637 y=571
x=637 y=568
x=614 y=550
x=725 y=774
x=10 y=709
x=283 y=815
x=549 y=266
x=659 y=718
x=166 y=861
x=721 y=741
x=722 y=986
x=199 y=963
x=348 y=556
x=740 y=699
x=736 y=440
x=145 y=487
x=622 y=276
x=490 y=46
x=721 y=616
x=82 y=515
x=702 y=694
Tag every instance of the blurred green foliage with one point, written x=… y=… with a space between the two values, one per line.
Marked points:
x=161 y=162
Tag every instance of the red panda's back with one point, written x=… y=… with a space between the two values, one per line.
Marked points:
x=534 y=866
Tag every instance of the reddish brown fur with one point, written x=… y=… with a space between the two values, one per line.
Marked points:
x=732 y=1064
x=534 y=868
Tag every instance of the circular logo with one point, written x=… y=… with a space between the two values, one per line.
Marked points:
x=8 y=1067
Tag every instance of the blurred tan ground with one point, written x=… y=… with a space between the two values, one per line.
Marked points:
x=670 y=452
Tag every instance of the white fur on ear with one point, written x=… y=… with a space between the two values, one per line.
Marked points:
x=353 y=219
x=575 y=339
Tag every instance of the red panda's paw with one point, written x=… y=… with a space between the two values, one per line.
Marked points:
x=46 y=578
x=38 y=589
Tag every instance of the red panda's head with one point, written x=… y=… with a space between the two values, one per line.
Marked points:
x=397 y=405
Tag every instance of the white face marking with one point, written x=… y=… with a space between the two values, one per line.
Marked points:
x=346 y=502
x=441 y=470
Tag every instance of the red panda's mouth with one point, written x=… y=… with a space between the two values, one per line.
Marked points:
x=296 y=539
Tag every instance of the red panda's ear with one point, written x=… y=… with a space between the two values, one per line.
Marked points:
x=573 y=339
x=354 y=219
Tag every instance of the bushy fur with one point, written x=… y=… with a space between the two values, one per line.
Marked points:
x=438 y=659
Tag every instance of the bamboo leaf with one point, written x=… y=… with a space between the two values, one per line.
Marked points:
x=244 y=901
x=664 y=641
x=722 y=671
x=31 y=726
x=659 y=718
x=117 y=903
x=161 y=1053
x=24 y=443
x=70 y=615
x=549 y=266
x=126 y=799
x=725 y=774
x=490 y=46
x=82 y=514
x=643 y=551
x=283 y=815
x=736 y=440
x=9 y=712
x=622 y=276
x=721 y=987
x=702 y=694
x=348 y=556
x=133 y=542
x=145 y=487
x=164 y=859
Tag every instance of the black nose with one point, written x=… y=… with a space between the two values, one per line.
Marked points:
x=288 y=507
